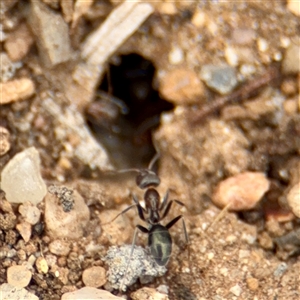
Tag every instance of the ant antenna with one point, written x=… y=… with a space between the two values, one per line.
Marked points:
x=154 y=160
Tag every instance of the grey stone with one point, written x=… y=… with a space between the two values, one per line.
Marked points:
x=222 y=79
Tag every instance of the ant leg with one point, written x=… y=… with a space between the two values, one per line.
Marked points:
x=121 y=213
x=140 y=209
x=165 y=201
x=169 y=207
x=144 y=230
x=187 y=240
x=174 y=221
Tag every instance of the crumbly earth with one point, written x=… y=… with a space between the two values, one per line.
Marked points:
x=245 y=255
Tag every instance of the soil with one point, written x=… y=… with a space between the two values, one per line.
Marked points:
x=202 y=139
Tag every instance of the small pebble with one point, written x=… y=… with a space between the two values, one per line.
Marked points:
x=41 y=265
x=30 y=213
x=280 y=270
x=243 y=36
x=18 y=43
x=198 y=18
x=265 y=241
x=291 y=60
x=7 y=69
x=52 y=34
x=222 y=79
x=293 y=199
x=262 y=45
x=18 y=276
x=182 y=86
x=176 y=56
x=21 y=178
x=231 y=56
x=90 y=293
x=236 y=290
x=241 y=192
x=8 y=291
x=294 y=7
x=4 y=140
x=16 y=90
x=147 y=293
x=252 y=283
x=168 y=8
x=289 y=87
x=94 y=277
x=59 y=247
x=25 y=230
x=61 y=224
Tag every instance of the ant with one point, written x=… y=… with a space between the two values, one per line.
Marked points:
x=159 y=238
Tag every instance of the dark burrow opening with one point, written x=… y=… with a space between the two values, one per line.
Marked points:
x=126 y=110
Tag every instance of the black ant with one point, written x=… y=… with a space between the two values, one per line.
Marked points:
x=159 y=238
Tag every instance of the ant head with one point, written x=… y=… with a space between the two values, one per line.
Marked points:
x=147 y=178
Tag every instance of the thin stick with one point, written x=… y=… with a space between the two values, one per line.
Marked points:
x=239 y=95
x=219 y=216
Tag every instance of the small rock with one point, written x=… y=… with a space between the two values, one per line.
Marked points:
x=16 y=90
x=18 y=43
x=8 y=291
x=7 y=221
x=21 y=178
x=41 y=265
x=4 y=140
x=167 y=8
x=61 y=224
x=61 y=274
x=90 y=293
x=293 y=199
x=294 y=7
x=291 y=60
x=241 y=192
x=281 y=269
x=243 y=36
x=252 y=283
x=222 y=79
x=59 y=247
x=237 y=55
x=18 y=276
x=176 y=56
x=52 y=34
x=198 y=18
x=94 y=277
x=231 y=56
x=30 y=213
x=265 y=241
x=24 y=229
x=182 y=86
x=262 y=45
x=289 y=87
x=146 y=293
x=7 y=69
x=236 y=290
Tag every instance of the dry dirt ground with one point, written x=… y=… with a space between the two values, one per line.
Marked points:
x=100 y=86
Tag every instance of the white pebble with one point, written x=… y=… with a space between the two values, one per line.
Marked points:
x=262 y=45
x=176 y=56
x=293 y=199
x=236 y=290
x=21 y=178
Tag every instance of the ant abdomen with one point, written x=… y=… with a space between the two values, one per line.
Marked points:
x=160 y=243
